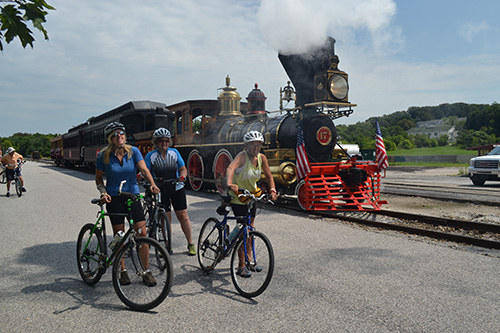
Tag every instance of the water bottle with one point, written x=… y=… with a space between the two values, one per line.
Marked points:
x=233 y=233
x=118 y=237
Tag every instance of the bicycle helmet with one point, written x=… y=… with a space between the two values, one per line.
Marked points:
x=161 y=133
x=9 y=150
x=253 y=136
x=113 y=126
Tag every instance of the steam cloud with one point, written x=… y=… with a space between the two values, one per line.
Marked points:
x=295 y=26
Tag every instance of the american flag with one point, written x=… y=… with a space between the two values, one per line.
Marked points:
x=303 y=167
x=381 y=154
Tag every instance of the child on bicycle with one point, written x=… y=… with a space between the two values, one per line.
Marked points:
x=9 y=160
x=167 y=163
x=119 y=162
x=244 y=171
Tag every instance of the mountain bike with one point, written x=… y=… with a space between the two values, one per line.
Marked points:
x=214 y=245
x=139 y=255
x=16 y=181
x=157 y=222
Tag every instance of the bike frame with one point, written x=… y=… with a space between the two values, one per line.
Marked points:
x=100 y=226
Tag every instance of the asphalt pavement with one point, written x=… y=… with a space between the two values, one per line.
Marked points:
x=329 y=276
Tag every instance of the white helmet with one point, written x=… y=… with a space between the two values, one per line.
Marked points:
x=253 y=136
x=161 y=133
x=9 y=150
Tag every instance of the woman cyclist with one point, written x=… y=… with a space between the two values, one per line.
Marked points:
x=167 y=163
x=119 y=162
x=244 y=171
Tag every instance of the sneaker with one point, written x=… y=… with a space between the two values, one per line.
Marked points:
x=124 y=279
x=23 y=189
x=244 y=272
x=149 y=280
x=254 y=268
x=8 y=194
x=191 y=249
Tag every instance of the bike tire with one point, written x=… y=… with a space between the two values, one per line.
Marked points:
x=261 y=255
x=3 y=178
x=137 y=295
x=89 y=249
x=209 y=244
x=18 y=185
x=164 y=231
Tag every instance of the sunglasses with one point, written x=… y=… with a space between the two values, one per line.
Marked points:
x=163 y=141
x=118 y=133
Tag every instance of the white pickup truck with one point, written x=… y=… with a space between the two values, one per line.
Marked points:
x=483 y=168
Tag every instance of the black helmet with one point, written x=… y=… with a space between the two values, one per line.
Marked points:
x=111 y=127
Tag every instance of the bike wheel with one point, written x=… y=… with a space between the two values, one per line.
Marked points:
x=18 y=186
x=164 y=231
x=3 y=178
x=259 y=261
x=89 y=249
x=209 y=244
x=139 y=258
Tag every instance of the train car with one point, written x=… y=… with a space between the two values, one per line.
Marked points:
x=81 y=145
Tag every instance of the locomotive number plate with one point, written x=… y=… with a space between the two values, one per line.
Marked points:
x=324 y=135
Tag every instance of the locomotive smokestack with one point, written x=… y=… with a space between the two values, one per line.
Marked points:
x=301 y=69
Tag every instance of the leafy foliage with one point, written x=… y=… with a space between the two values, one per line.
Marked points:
x=26 y=143
x=15 y=15
x=481 y=127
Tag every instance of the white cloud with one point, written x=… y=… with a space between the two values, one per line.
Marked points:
x=469 y=31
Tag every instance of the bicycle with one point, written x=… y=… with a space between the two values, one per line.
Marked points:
x=3 y=175
x=214 y=246
x=93 y=260
x=17 y=180
x=157 y=221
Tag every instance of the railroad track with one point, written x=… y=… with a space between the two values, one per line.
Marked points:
x=486 y=235
x=487 y=196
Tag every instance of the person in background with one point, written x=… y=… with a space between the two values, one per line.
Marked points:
x=166 y=162
x=244 y=172
x=120 y=161
x=9 y=160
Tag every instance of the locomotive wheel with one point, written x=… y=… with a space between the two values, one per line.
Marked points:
x=221 y=162
x=195 y=170
x=300 y=192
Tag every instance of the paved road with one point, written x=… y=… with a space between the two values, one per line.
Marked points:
x=329 y=276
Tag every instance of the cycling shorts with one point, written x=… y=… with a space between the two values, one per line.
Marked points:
x=118 y=204
x=241 y=210
x=10 y=173
x=174 y=198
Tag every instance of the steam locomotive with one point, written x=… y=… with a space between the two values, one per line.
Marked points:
x=209 y=134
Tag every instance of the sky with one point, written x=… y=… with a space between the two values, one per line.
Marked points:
x=102 y=54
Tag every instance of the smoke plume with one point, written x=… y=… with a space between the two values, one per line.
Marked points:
x=296 y=26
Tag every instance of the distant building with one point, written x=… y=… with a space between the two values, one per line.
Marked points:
x=434 y=129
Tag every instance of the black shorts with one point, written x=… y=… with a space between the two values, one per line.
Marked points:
x=242 y=210
x=118 y=204
x=10 y=173
x=174 y=198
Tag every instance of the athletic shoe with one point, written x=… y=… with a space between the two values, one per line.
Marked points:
x=244 y=272
x=149 y=280
x=254 y=268
x=124 y=279
x=8 y=194
x=23 y=189
x=191 y=249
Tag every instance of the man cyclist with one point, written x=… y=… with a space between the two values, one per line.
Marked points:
x=9 y=160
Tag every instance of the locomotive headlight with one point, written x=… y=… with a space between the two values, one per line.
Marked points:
x=338 y=86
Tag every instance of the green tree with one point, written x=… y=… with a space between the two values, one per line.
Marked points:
x=15 y=14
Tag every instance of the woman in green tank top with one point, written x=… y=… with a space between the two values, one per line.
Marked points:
x=244 y=172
